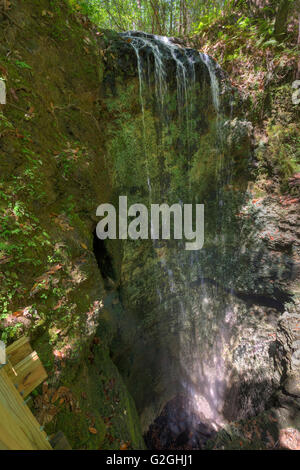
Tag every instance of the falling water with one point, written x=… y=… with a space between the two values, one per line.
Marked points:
x=139 y=42
x=203 y=368
x=215 y=88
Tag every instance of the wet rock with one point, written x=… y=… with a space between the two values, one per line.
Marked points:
x=292 y=385
x=289 y=438
x=178 y=427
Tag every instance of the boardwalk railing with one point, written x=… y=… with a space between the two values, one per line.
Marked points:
x=22 y=373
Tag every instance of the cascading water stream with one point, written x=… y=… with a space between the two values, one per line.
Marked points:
x=203 y=369
x=215 y=88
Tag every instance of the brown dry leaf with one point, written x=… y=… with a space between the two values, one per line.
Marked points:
x=63 y=390
x=271 y=418
x=41 y=284
x=54 y=269
x=38 y=402
x=5 y=259
x=55 y=397
x=93 y=430
x=59 y=304
x=58 y=354
x=18 y=313
x=46 y=398
x=84 y=246
x=47 y=418
x=3 y=70
x=45 y=387
x=52 y=410
x=63 y=224
x=43 y=278
x=124 y=446
x=61 y=401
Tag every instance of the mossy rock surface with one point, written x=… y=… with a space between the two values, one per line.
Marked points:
x=53 y=177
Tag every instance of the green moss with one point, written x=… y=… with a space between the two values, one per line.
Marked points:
x=281 y=156
x=53 y=177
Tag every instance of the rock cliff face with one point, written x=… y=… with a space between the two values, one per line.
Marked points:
x=143 y=327
x=53 y=177
x=209 y=326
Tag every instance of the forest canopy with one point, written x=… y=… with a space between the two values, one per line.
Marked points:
x=188 y=17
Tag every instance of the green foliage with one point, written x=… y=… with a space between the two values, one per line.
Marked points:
x=281 y=158
x=184 y=17
x=22 y=65
x=5 y=124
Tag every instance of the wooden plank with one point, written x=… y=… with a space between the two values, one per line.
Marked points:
x=2 y=353
x=27 y=374
x=12 y=437
x=18 y=427
x=17 y=351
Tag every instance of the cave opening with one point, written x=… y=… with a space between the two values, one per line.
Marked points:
x=178 y=427
x=104 y=260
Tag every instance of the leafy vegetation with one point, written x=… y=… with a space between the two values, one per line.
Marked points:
x=53 y=173
x=188 y=17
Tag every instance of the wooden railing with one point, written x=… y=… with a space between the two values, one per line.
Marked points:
x=22 y=373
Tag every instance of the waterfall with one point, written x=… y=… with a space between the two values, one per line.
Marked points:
x=215 y=88
x=162 y=48
x=181 y=80
x=140 y=41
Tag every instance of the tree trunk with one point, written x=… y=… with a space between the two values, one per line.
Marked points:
x=171 y=17
x=184 y=18
x=140 y=14
x=281 y=20
x=156 y=19
x=180 y=18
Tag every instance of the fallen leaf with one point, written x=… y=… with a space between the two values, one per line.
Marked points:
x=59 y=304
x=57 y=354
x=93 y=430
x=46 y=398
x=18 y=313
x=5 y=259
x=55 y=397
x=55 y=268
x=62 y=390
x=124 y=446
x=3 y=70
